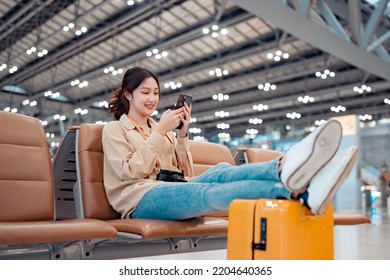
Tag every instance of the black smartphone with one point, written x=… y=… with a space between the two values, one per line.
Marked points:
x=180 y=103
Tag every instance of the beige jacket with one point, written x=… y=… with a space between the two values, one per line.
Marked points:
x=130 y=161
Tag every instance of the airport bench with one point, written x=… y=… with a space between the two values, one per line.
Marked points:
x=136 y=237
x=28 y=229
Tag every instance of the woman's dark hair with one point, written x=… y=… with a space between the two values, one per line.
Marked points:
x=118 y=104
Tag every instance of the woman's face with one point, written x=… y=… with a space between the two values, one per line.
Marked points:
x=145 y=98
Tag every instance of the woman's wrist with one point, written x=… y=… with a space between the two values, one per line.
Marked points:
x=183 y=134
x=161 y=131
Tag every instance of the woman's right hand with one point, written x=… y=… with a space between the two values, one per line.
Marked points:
x=169 y=120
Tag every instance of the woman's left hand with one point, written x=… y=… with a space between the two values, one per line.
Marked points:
x=183 y=131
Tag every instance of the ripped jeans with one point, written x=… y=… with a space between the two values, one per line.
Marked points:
x=212 y=191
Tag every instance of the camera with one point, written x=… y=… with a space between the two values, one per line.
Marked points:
x=170 y=176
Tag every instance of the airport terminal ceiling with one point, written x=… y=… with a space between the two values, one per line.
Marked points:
x=251 y=66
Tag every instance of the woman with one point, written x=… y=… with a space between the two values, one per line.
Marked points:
x=136 y=148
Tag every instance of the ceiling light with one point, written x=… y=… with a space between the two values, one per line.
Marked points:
x=59 y=117
x=199 y=138
x=338 y=108
x=223 y=126
x=219 y=72
x=221 y=114
x=80 y=111
x=224 y=31
x=43 y=53
x=255 y=121
x=194 y=130
x=13 y=69
x=31 y=50
x=306 y=99
x=278 y=55
x=325 y=74
x=113 y=71
x=69 y=26
x=365 y=117
x=173 y=85
x=266 y=86
x=293 y=115
x=224 y=136
x=319 y=122
x=362 y=89
x=215 y=30
x=103 y=104
x=387 y=101
x=220 y=97
x=3 y=66
x=157 y=54
x=252 y=131
x=260 y=107
x=56 y=94
x=193 y=120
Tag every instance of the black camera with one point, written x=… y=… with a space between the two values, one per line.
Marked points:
x=170 y=176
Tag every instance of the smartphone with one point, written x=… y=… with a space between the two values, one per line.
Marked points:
x=180 y=103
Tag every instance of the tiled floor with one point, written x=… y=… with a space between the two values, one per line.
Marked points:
x=357 y=242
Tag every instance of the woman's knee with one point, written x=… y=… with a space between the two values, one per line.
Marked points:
x=223 y=164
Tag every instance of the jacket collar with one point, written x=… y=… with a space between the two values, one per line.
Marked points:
x=129 y=125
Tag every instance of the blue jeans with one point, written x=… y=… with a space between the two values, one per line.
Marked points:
x=212 y=191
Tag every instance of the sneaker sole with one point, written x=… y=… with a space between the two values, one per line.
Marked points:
x=325 y=143
x=337 y=184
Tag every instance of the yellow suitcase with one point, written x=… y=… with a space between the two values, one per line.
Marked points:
x=268 y=229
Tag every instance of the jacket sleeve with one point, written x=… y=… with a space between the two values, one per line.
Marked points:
x=122 y=157
x=185 y=156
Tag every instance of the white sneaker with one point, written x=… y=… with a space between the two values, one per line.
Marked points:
x=325 y=184
x=306 y=158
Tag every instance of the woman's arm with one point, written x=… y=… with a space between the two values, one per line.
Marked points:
x=185 y=156
x=123 y=158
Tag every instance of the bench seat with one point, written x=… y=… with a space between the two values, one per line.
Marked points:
x=27 y=216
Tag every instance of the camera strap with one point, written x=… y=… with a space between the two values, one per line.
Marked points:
x=170 y=140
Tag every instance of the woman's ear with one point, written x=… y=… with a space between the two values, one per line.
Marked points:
x=128 y=95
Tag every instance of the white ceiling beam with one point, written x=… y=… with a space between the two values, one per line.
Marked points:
x=355 y=20
x=294 y=23
x=373 y=22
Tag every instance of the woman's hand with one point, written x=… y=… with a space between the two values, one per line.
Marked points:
x=170 y=119
x=183 y=131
